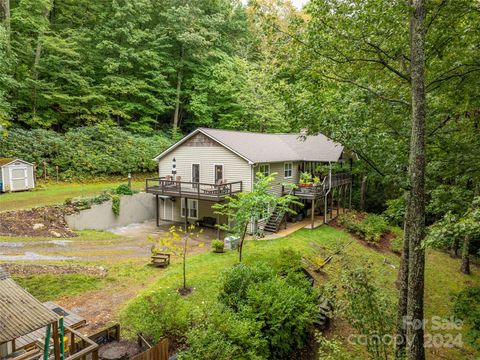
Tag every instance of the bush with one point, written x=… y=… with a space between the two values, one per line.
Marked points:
x=466 y=306
x=218 y=246
x=396 y=244
x=395 y=212
x=285 y=308
x=85 y=152
x=224 y=335
x=371 y=228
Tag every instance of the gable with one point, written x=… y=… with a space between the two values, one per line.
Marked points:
x=200 y=139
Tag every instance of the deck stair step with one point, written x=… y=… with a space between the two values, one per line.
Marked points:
x=275 y=220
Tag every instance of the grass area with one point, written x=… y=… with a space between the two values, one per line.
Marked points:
x=51 y=193
x=159 y=309
x=47 y=287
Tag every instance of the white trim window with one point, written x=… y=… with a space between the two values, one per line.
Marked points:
x=264 y=169
x=287 y=170
x=192 y=208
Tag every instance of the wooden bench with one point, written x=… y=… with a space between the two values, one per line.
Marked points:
x=161 y=259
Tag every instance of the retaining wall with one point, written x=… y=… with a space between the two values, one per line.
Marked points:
x=133 y=209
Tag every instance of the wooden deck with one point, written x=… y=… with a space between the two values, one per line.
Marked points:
x=191 y=190
x=70 y=320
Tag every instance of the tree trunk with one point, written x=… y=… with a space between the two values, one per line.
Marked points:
x=240 y=247
x=465 y=268
x=176 y=114
x=454 y=248
x=38 y=54
x=5 y=5
x=363 y=193
x=402 y=284
x=415 y=220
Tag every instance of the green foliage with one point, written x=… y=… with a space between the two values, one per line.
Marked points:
x=371 y=228
x=466 y=306
x=112 y=194
x=395 y=212
x=306 y=178
x=223 y=334
x=217 y=246
x=367 y=310
x=284 y=307
x=396 y=244
x=85 y=152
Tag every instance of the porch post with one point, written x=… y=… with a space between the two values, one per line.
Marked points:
x=313 y=212
x=156 y=210
x=325 y=208
x=186 y=214
x=56 y=344
x=331 y=204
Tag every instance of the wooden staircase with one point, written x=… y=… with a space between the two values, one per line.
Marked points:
x=275 y=220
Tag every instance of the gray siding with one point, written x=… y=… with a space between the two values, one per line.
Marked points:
x=278 y=167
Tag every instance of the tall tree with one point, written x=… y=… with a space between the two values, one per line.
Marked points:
x=415 y=219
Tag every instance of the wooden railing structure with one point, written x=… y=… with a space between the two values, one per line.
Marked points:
x=156 y=352
x=205 y=191
x=333 y=186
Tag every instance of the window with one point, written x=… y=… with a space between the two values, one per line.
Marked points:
x=264 y=169
x=287 y=170
x=218 y=172
x=192 y=208
x=195 y=175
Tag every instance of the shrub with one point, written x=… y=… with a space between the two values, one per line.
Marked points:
x=285 y=308
x=395 y=212
x=373 y=227
x=466 y=306
x=238 y=279
x=224 y=335
x=218 y=246
x=396 y=244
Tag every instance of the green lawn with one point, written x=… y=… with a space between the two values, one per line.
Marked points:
x=56 y=193
x=159 y=308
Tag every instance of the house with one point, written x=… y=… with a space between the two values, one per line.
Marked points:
x=16 y=175
x=209 y=164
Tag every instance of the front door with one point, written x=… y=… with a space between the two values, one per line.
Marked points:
x=218 y=173
x=195 y=174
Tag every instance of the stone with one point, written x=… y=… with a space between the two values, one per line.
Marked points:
x=38 y=226
x=55 y=234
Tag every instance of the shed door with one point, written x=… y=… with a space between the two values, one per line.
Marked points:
x=18 y=178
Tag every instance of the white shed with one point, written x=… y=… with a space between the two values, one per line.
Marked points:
x=16 y=175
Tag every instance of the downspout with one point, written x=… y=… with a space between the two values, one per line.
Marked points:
x=325 y=202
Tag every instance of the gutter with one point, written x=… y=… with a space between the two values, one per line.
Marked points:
x=325 y=202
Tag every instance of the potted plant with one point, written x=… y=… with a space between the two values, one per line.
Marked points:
x=217 y=246
x=305 y=179
x=316 y=180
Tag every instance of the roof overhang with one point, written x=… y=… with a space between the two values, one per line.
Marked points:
x=15 y=160
x=181 y=141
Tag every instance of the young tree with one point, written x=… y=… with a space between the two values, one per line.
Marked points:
x=176 y=242
x=246 y=207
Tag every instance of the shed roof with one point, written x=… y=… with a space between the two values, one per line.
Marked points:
x=20 y=312
x=259 y=147
x=6 y=161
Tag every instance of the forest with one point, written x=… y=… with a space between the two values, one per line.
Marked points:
x=396 y=82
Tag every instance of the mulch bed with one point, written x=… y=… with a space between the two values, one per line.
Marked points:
x=382 y=246
x=43 y=221
x=36 y=269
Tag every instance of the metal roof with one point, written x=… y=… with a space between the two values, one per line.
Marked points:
x=20 y=312
x=6 y=161
x=259 y=147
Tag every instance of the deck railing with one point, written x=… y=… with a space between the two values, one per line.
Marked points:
x=319 y=189
x=163 y=186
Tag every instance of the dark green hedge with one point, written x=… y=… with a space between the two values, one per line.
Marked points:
x=85 y=152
